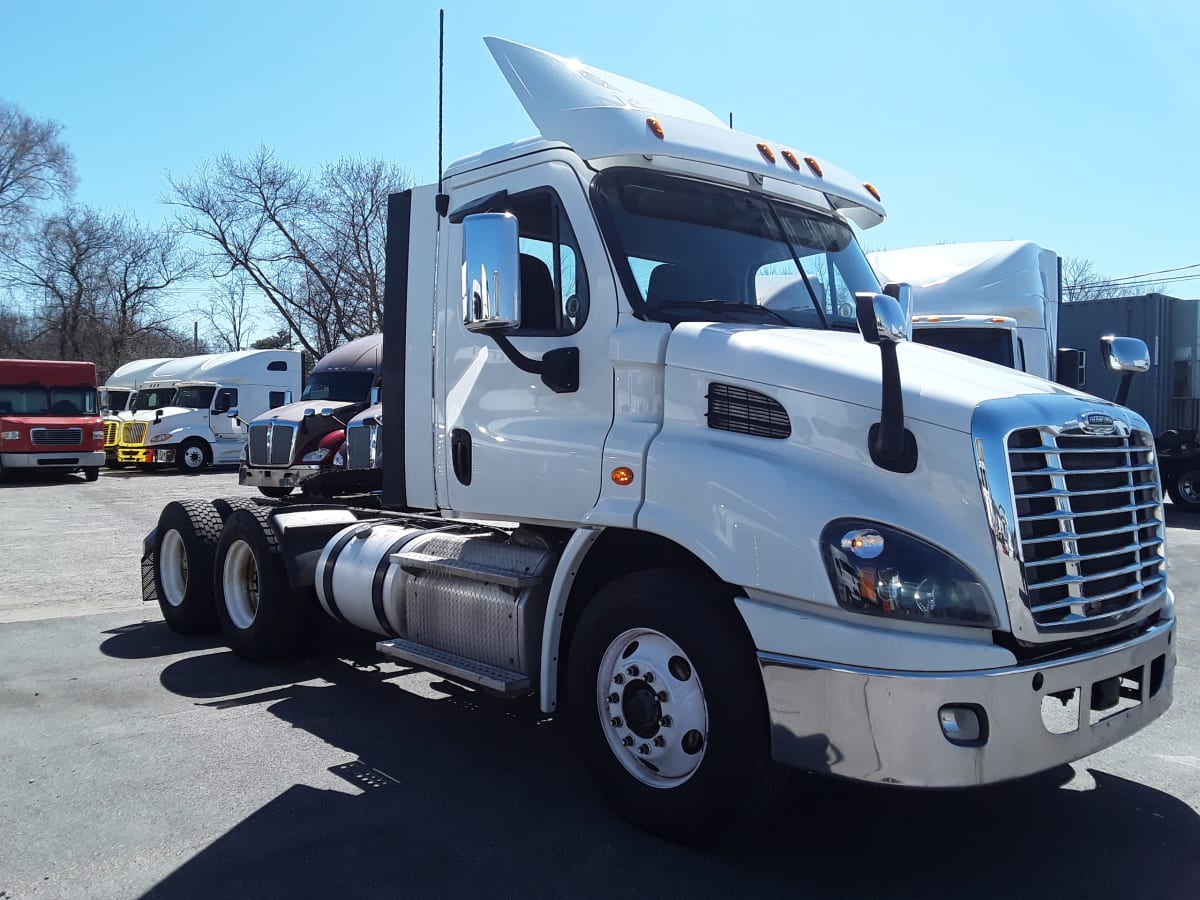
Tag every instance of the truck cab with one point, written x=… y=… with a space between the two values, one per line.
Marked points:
x=289 y=444
x=716 y=523
x=49 y=419
x=117 y=398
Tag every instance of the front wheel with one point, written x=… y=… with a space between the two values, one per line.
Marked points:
x=91 y=473
x=1184 y=488
x=667 y=703
x=274 y=492
x=261 y=616
x=193 y=456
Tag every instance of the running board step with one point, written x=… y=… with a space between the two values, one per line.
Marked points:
x=423 y=562
x=502 y=681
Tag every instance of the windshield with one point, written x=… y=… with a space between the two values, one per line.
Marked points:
x=114 y=399
x=37 y=400
x=350 y=387
x=705 y=252
x=994 y=345
x=153 y=398
x=194 y=397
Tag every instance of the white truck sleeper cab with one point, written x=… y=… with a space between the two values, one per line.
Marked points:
x=713 y=519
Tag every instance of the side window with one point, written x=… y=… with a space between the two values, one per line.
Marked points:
x=276 y=398
x=554 y=291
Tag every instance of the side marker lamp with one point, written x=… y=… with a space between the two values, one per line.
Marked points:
x=655 y=127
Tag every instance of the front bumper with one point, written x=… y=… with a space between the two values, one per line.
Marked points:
x=156 y=454
x=884 y=726
x=57 y=459
x=280 y=478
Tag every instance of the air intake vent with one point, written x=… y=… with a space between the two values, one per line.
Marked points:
x=746 y=412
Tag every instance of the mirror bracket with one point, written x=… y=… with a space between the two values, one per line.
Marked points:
x=882 y=322
x=558 y=368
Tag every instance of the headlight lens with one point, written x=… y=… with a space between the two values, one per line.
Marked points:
x=316 y=456
x=881 y=571
x=339 y=458
x=159 y=438
x=10 y=435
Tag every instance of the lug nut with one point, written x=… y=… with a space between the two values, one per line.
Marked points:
x=618 y=678
x=614 y=698
x=664 y=722
x=615 y=722
x=632 y=671
x=644 y=749
x=660 y=741
x=648 y=678
x=627 y=741
x=661 y=697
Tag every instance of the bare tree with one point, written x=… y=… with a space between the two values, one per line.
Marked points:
x=35 y=165
x=94 y=285
x=312 y=246
x=1083 y=281
x=229 y=316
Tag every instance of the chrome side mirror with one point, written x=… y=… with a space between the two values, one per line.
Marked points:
x=232 y=413
x=308 y=411
x=902 y=294
x=491 y=290
x=880 y=319
x=376 y=394
x=1125 y=354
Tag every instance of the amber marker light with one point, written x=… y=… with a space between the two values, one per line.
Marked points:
x=767 y=152
x=814 y=166
x=622 y=475
x=791 y=159
x=655 y=127
x=872 y=191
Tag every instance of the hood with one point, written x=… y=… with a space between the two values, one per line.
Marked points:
x=294 y=412
x=940 y=387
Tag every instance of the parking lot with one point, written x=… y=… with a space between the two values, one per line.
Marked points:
x=138 y=762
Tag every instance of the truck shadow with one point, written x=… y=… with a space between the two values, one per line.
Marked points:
x=1179 y=518
x=456 y=793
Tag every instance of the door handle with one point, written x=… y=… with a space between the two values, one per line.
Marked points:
x=460 y=454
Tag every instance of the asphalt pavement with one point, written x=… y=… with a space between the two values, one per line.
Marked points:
x=136 y=762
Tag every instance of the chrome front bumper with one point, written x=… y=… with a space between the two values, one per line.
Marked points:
x=57 y=459
x=884 y=726
x=281 y=478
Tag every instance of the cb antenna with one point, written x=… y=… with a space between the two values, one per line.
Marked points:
x=443 y=201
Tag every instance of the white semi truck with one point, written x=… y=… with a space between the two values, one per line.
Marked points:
x=209 y=398
x=720 y=537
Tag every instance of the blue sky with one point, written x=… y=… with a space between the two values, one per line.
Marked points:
x=1072 y=124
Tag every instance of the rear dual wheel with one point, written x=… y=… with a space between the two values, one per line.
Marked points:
x=1184 y=488
x=185 y=544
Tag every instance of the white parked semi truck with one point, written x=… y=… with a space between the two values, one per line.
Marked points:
x=211 y=396
x=720 y=537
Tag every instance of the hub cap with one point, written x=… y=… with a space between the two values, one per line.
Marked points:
x=193 y=457
x=240 y=583
x=652 y=708
x=173 y=568
x=1189 y=486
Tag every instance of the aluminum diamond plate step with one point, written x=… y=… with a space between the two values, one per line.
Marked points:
x=472 y=671
x=475 y=571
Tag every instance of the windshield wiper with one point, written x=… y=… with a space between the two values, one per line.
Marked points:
x=717 y=305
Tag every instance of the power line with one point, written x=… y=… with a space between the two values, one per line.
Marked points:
x=1122 y=278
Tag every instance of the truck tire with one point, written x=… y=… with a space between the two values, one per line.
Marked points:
x=1184 y=487
x=91 y=473
x=193 y=456
x=185 y=544
x=666 y=701
x=275 y=493
x=261 y=616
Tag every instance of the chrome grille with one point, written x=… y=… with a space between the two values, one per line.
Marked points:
x=133 y=433
x=362 y=445
x=112 y=432
x=56 y=437
x=1091 y=538
x=271 y=443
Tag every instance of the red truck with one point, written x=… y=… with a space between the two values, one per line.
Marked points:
x=49 y=420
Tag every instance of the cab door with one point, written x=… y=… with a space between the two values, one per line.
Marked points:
x=510 y=445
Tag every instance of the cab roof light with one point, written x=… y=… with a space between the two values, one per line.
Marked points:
x=791 y=159
x=998 y=320
x=767 y=152
x=655 y=126
x=814 y=166
x=872 y=190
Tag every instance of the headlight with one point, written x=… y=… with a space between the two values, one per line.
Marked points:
x=881 y=571
x=315 y=456
x=98 y=435
x=10 y=435
x=339 y=458
x=159 y=438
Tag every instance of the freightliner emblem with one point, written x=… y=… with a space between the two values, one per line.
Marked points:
x=1098 y=423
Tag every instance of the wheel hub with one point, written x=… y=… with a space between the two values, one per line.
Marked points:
x=652 y=708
